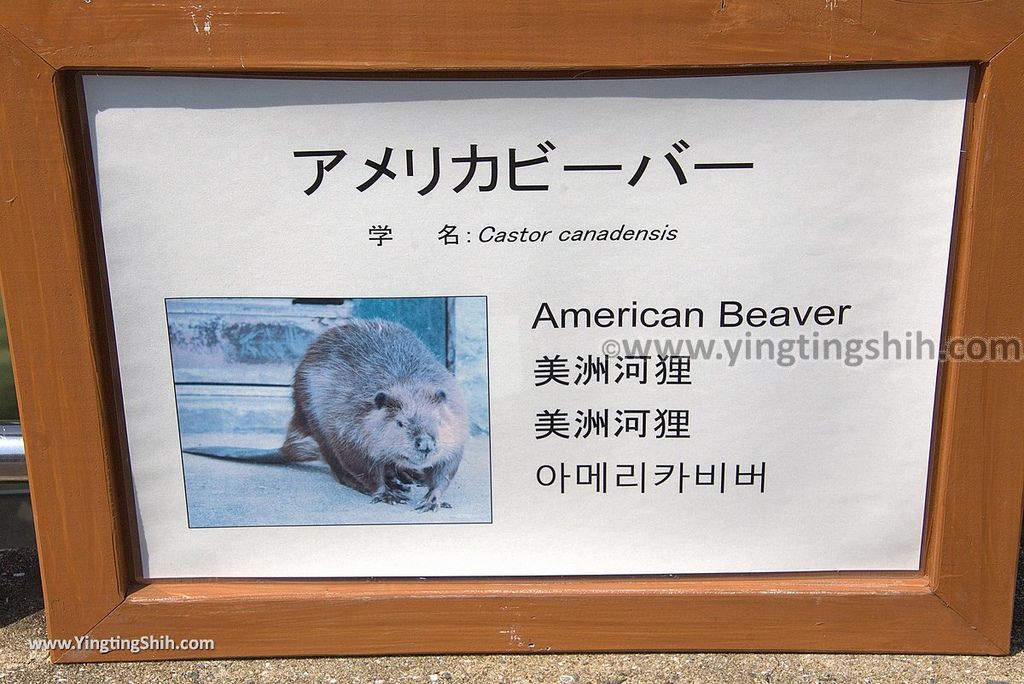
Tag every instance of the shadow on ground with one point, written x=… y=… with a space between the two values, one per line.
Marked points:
x=20 y=586
x=1017 y=637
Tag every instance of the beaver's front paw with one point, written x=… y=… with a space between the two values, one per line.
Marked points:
x=432 y=503
x=391 y=497
x=396 y=485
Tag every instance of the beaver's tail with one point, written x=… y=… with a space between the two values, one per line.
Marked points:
x=242 y=454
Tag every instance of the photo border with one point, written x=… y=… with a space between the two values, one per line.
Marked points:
x=53 y=286
x=425 y=521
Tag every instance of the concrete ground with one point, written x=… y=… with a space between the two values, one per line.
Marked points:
x=21 y=619
x=226 y=493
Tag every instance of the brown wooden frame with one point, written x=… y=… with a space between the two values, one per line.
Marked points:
x=961 y=599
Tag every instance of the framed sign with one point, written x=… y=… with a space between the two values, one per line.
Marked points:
x=354 y=330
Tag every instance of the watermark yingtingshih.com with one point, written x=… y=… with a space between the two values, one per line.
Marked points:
x=113 y=644
x=815 y=347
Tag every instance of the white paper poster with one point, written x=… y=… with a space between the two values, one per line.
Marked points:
x=564 y=327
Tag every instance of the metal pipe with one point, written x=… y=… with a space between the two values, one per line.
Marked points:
x=12 y=453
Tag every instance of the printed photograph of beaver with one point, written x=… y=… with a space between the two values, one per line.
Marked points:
x=332 y=411
x=380 y=409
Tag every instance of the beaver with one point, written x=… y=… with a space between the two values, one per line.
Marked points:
x=380 y=409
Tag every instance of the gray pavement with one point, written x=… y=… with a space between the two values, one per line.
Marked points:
x=21 y=620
